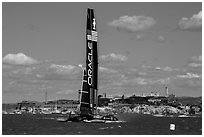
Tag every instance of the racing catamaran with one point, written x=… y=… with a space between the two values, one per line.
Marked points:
x=89 y=89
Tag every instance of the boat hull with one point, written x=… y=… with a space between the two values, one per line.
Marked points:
x=62 y=119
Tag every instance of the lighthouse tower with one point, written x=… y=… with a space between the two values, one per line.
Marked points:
x=166 y=91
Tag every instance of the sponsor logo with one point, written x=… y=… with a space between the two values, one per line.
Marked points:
x=93 y=36
x=90 y=57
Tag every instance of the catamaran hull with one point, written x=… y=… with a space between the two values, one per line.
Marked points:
x=102 y=121
x=94 y=121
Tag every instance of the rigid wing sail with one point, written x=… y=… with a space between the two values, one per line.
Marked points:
x=88 y=97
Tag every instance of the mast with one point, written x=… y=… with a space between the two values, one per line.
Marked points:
x=45 y=97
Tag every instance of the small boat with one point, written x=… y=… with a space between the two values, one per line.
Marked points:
x=103 y=119
x=62 y=119
x=159 y=115
x=94 y=121
x=4 y=112
x=46 y=112
x=34 y=112
x=18 y=112
x=118 y=121
x=65 y=112
x=188 y=116
x=183 y=116
x=109 y=118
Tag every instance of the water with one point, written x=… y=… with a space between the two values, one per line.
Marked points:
x=136 y=124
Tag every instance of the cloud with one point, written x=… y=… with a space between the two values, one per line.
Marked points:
x=195 y=65
x=195 y=62
x=197 y=58
x=107 y=70
x=52 y=76
x=165 y=68
x=114 y=57
x=193 y=23
x=150 y=36
x=144 y=81
x=193 y=84
x=6 y=66
x=65 y=69
x=19 y=59
x=143 y=36
x=55 y=72
x=134 y=82
x=65 y=92
x=160 y=39
x=24 y=70
x=139 y=36
x=190 y=75
x=133 y=23
x=30 y=82
x=162 y=81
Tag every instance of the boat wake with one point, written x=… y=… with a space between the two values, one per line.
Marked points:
x=119 y=121
x=103 y=128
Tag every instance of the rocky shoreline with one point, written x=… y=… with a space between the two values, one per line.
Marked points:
x=151 y=109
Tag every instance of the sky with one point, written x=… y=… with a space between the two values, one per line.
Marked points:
x=143 y=47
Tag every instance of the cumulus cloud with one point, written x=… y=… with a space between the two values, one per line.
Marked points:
x=161 y=38
x=162 y=81
x=146 y=67
x=19 y=59
x=107 y=70
x=190 y=75
x=197 y=58
x=139 y=37
x=193 y=84
x=135 y=81
x=133 y=23
x=55 y=72
x=192 y=23
x=52 y=76
x=144 y=81
x=195 y=64
x=164 y=68
x=25 y=70
x=5 y=66
x=65 y=69
x=65 y=92
x=195 y=61
x=114 y=57
x=30 y=82
x=143 y=36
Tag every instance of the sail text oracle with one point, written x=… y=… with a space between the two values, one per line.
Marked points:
x=90 y=58
x=91 y=38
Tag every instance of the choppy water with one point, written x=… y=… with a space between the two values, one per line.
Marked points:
x=136 y=124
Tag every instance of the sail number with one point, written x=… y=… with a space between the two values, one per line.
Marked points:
x=93 y=36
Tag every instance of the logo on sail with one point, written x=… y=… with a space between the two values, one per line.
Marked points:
x=90 y=58
x=93 y=36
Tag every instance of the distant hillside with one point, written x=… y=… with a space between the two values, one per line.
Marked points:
x=189 y=100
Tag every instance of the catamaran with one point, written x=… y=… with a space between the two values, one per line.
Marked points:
x=89 y=87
